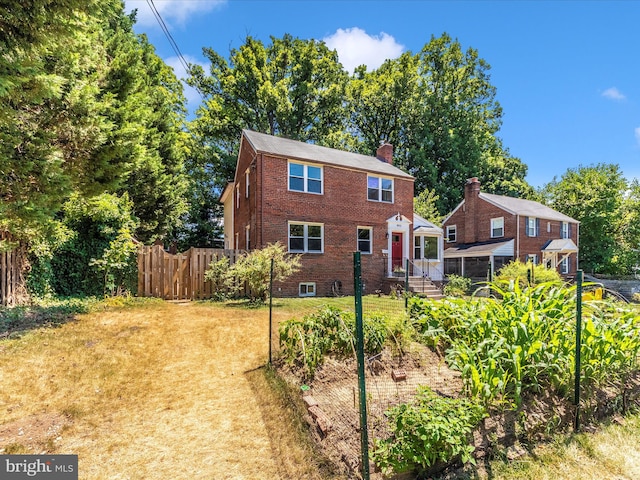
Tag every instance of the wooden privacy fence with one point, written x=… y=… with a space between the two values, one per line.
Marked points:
x=178 y=276
x=11 y=282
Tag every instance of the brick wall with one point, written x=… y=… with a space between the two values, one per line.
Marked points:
x=341 y=209
x=476 y=227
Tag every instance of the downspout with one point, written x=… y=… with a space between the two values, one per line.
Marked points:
x=517 y=237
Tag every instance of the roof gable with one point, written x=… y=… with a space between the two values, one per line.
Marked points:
x=293 y=149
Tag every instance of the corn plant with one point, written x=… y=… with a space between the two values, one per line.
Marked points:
x=523 y=339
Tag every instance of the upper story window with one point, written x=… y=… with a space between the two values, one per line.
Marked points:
x=497 y=227
x=451 y=233
x=565 y=230
x=237 y=195
x=365 y=239
x=305 y=178
x=532 y=226
x=380 y=189
x=246 y=184
x=306 y=237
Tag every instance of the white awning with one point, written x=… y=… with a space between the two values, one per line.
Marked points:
x=561 y=245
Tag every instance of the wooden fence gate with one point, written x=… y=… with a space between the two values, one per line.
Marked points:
x=179 y=276
x=11 y=281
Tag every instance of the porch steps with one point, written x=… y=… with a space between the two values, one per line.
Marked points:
x=425 y=287
x=418 y=285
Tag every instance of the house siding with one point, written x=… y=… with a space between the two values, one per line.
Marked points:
x=341 y=208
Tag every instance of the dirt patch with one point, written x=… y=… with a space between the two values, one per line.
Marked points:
x=32 y=435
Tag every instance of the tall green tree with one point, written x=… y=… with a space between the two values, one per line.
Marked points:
x=438 y=109
x=289 y=87
x=607 y=207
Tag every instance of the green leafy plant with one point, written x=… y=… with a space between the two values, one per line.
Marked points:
x=331 y=331
x=524 y=340
x=253 y=270
x=457 y=286
x=520 y=271
x=430 y=430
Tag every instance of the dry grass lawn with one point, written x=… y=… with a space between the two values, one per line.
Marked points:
x=154 y=392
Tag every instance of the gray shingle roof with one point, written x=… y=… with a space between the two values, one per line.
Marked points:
x=528 y=208
x=283 y=147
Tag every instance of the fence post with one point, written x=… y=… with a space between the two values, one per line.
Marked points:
x=578 y=347
x=270 y=309
x=364 y=434
x=406 y=284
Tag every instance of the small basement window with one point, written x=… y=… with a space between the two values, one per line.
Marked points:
x=307 y=289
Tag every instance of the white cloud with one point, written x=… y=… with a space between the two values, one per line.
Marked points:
x=355 y=47
x=613 y=94
x=172 y=11
x=193 y=97
x=637 y=134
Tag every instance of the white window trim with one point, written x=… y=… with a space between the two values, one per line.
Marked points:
x=564 y=266
x=247 y=237
x=532 y=231
x=246 y=181
x=501 y=219
x=370 y=240
x=423 y=249
x=306 y=237
x=451 y=228
x=237 y=195
x=307 y=285
x=305 y=178
x=532 y=257
x=380 y=190
x=564 y=230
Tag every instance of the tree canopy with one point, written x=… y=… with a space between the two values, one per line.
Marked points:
x=608 y=208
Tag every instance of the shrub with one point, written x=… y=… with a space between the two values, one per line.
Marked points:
x=254 y=271
x=518 y=270
x=429 y=431
x=457 y=286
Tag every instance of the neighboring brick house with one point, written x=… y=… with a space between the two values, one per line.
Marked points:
x=486 y=231
x=324 y=204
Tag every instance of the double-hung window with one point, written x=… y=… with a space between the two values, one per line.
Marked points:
x=365 y=239
x=305 y=178
x=451 y=233
x=497 y=227
x=532 y=226
x=380 y=189
x=306 y=237
x=565 y=230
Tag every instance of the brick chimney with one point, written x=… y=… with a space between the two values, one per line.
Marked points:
x=471 y=195
x=384 y=153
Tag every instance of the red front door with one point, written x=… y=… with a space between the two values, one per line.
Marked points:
x=396 y=250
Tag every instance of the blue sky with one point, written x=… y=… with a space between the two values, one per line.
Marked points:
x=567 y=73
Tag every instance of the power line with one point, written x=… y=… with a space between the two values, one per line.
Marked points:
x=172 y=42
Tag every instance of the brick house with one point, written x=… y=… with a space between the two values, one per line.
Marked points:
x=486 y=231
x=323 y=204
